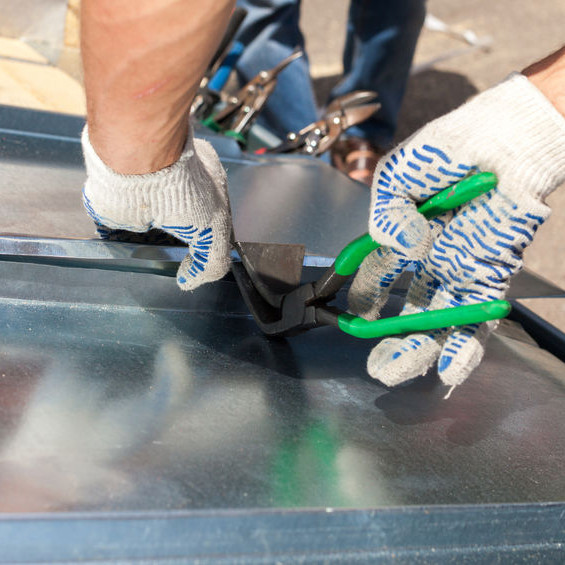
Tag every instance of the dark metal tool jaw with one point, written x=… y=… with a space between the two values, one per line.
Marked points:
x=269 y=279
x=297 y=313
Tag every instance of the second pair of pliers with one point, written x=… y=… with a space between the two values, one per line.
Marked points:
x=306 y=306
x=237 y=116
x=342 y=113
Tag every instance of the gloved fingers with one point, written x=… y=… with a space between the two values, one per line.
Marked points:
x=426 y=292
x=478 y=252
x=371 y=286
x=396 y=360
x=420 y=293
x=208 y=238
x=461 y=348
x=208 y=257
x=439 y=223
x=458 y=351
x=398 y=225
x=378 y=273
x=407 y=176
x=462 y=352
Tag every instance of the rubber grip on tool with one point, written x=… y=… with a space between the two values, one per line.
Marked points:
x=424 y=321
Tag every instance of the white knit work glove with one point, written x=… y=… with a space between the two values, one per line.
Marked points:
x=188 y=200
x=511 y=130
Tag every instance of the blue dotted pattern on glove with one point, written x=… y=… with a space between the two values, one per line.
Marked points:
x=393 y=184
x=199 y=241
x=481 y=238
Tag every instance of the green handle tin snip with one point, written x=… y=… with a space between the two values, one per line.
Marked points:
x=353 y=254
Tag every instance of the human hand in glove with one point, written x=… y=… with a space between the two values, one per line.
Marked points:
x=143 y=63
x=468 y=257
x=188 y=200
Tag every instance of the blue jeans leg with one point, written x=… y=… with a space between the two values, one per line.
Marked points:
x=380 y=43
x=270 y=32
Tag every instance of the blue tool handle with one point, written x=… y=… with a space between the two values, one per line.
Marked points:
x=220 y=78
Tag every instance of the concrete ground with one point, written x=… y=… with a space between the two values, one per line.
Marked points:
x=27 y=79
x=449 y=73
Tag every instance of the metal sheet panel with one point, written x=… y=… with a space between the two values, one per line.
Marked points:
x=120 y=394
x=141 y=402
x=279 y=200
x=439 y=535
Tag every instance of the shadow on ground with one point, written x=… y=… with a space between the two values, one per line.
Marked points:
x=429 y=94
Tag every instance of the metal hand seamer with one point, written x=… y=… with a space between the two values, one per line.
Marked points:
x=293 y=308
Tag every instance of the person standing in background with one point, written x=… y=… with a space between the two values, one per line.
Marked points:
x=379 y=48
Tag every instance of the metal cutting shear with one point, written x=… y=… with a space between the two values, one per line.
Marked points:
x=342 y=113
x=236 y=118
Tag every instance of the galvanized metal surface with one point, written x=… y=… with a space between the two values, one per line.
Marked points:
x=287 y=199
x=119 y=393
x=114 y=398
x=439 y=535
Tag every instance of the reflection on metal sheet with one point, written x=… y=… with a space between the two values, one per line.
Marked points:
x=124 y=405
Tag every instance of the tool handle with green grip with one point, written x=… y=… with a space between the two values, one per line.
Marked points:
x=464 y=191
x=210 y=123
x=424 y=321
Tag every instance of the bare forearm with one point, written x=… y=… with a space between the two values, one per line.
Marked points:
x=143 y=62
x=549 y=77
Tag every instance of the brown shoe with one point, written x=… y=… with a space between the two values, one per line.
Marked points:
x=357 y=158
